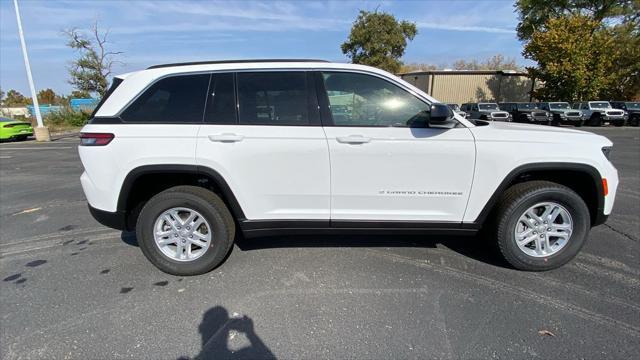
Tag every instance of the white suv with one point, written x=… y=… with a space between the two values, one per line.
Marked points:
x=189 y=155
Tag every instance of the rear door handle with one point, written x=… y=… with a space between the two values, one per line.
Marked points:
x=353 y=139
x=226 y=137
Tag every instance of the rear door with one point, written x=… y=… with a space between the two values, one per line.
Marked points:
x=385 y=164
x=262 y=134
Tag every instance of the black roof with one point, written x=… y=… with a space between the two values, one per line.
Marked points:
x=234 y=62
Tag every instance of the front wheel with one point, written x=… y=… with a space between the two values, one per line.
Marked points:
x=541 y=225
x=595 y=120
x=185 y=230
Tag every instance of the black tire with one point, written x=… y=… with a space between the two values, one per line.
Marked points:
x=212 y=208
x=516 y=200
x=595 y=120
x=634 y=121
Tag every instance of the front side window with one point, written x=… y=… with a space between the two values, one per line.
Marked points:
x=176 y=99
x=365 y=100
x=273 y=98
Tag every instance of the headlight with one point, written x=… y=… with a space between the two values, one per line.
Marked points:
x=563 y=115
x=607 y=151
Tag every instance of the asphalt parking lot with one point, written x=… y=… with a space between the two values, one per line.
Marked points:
x=71 y=288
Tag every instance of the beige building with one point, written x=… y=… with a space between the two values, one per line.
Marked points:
x=462 y=86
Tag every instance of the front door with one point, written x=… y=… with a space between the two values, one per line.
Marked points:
x=386 y=165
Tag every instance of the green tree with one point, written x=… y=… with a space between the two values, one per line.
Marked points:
x=78 y=94
x=496 y=62
x=48 y=96
x=90 y=72
x=574 y=60
x=379 y=40
x=534 y=14
x=1 y=97
x=405 y=68
x=15 y=98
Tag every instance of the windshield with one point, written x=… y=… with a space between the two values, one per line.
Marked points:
x=526 y=106
x=488 y=107
x=559 y=106
x=600 y=105
x=633 y=105
x=453 y=106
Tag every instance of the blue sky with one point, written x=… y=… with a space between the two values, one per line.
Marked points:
x=153 y=32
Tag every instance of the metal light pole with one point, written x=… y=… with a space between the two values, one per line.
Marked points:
x=42 y=133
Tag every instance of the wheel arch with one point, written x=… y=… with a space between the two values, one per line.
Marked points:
x=582 y=178
x=142 y=183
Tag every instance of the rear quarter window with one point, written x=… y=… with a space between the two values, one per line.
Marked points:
x=176 y=99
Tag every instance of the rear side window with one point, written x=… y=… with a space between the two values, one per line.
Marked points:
x=273 y=98
x=176 y=99
x=221 y=101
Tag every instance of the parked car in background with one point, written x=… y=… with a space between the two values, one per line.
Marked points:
x=11 y=129
x=632 y=109
x=599 y=112
x=485 y=111
x=456 y=109
x=526 y=112
x=562 y=113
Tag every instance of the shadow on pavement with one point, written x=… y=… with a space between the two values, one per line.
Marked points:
x=225 y=337
x=476 y=247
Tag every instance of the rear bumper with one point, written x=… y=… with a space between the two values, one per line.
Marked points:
x=114 y=220
x=600 y=219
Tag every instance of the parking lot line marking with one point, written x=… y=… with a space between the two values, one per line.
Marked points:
x=35 y=148
x=5 y=157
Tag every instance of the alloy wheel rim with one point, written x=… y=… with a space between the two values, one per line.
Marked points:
x=543 y=229
x=182 y=234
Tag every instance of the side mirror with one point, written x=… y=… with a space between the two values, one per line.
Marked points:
x=440 y=114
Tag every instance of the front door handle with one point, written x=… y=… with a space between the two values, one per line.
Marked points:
x=353 y=139
x=226 y=138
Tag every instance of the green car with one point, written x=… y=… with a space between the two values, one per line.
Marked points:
x=14 y=130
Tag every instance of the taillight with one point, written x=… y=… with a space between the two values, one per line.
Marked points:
x=95 y=139
x=605 y=187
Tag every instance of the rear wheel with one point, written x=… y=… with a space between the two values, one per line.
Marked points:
x=634 y=121
x=185 y=230
x=541 y=225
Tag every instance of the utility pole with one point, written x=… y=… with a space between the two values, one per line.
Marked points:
x=42 y=133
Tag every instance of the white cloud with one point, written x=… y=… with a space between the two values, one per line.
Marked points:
x=470 y=28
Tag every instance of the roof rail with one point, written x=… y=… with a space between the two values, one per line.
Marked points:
x=234 y=61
